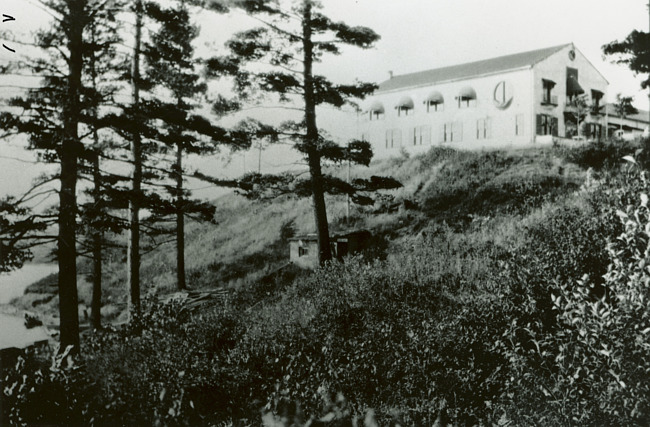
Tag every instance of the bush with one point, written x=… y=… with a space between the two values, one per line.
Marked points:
x=407 y=336
x=599 y=155
x=37 y=393
x=593 y=368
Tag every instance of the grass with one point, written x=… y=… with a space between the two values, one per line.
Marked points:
x=480 y=243
x=460 y=189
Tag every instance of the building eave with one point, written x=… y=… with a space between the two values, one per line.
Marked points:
x=446 y=81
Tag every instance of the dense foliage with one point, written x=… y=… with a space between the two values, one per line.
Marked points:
x=540 y=321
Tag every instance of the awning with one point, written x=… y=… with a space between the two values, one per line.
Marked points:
x=405 y=103
x=573 y=87
x=467 y=93
x=435 y=98
x=596 y=94
x=377 y=107
x=548 y=82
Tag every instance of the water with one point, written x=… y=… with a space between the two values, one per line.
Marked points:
x=12 y=330
x=12 y=285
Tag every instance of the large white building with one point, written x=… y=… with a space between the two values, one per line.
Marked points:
x=510 y=101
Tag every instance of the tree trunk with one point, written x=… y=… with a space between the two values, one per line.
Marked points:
x=97 y=233
x=98 y=236
x=180 y=221
x=67 y=253
x=133 y=245
x=313 y=156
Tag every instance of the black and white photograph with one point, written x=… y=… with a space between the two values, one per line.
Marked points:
x=293 y=213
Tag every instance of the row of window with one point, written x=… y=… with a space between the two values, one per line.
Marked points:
x=466 y=98
x=449 y=132
x=573 y=89
x=548 y=125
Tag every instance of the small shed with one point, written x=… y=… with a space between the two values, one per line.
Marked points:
x=303 y=250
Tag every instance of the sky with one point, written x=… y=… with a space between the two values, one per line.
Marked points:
x=415 y=35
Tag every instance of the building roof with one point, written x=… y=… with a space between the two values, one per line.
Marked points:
x=312 y=237
x=640 y=116
x=471 y=69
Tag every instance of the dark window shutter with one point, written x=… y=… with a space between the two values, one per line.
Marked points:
x=554 y=122
x=539 y=125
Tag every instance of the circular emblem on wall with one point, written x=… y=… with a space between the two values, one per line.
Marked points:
x=572 y=54
x=502 y=95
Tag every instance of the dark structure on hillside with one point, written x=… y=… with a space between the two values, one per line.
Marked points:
x=303 y=250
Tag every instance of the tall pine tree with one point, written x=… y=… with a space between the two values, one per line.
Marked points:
x=51 y=118
x=294 y=37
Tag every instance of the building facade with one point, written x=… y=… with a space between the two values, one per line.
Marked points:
x=517 y=100
x=303 y=250
x=628 y=126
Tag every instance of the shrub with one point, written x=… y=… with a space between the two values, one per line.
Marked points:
x=593 y=368
x=37 y=393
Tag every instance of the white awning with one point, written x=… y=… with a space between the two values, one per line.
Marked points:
x=377 y=107
x=435 y=97
x=467 y=93
x=406 y=103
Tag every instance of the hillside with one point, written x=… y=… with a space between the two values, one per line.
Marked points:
x=486 y=295
x=247 y=239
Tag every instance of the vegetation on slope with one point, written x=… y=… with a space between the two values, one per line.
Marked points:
x=452 y=325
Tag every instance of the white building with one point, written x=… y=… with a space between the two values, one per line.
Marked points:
x=510 y=101
x=632 y=125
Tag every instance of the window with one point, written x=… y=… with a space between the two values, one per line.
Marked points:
x=303 y=252
x=421 y=135
x=483 y=128
x=546 y=125
x=451 y=131
x=403 y=111
x=519 y=124
x=376 y=110
x=593 y=131
x=547 y=96
x=435 y=106
x=404 y=106
x=466 y=97
x=573 y=88
x=393 y=138
x=596 y=96
x=435 y=102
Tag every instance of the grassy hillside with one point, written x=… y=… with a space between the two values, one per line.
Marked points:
x=471 y=309
x=248 y=239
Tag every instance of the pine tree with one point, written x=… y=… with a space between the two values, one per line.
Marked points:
x=58 y=117
x=634 y=52
x=166 y=89
x=101 y=67
x=292 y=39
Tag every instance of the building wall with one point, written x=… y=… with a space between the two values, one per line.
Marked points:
x=501 y=122
x=513 y=125
x=555 y=68
x=635 y=127
x=310 y=260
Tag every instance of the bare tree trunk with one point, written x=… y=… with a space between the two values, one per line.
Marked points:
x=180 y=221
x=318 y=195
x=98 y=236
x=133 y=245
x=97 y=233
x=67 y=253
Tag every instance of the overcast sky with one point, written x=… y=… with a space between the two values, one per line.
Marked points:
x=424 y=34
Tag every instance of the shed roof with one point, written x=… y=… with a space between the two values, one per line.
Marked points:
x=314 y=237
x=470 y=69
x=640 y=116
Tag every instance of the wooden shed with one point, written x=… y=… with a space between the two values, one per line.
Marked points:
x=303 y=250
